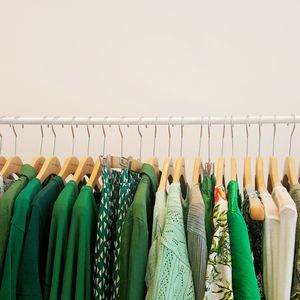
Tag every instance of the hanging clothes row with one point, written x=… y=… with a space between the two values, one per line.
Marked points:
x=118 y=228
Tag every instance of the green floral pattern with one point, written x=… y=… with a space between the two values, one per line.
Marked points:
x=218 y=273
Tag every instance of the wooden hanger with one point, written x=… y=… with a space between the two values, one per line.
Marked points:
x=233 y=168
x=2 y=162
x=96 y=173
x=70 y=166
x=37 y=163
x=247 y=171
x=51 y=166
x=273 y=173
x=290 y=172
x=153 y=161
x=197 y=170
x=220 y=170
x=259 y=175
x=11 y=166
x=179 y=171
x=85 y=167
x=166 y=174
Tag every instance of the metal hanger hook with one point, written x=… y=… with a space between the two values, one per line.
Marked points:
x=104 y=135
x=208 y=135
x=247 y=134
x=169 y=133
x=292 y=133
x=154 y=139
x=200 y=136
x=181 y=134
x=42 y=135
x=223 y=135
x=274 y=135
x=232 y=135
x=259 y=134
x=89 y=134
x=1 y=138
x=121 y=134
x=73 y=134
x=12 y=125
x=141 y=137
x=54 y=134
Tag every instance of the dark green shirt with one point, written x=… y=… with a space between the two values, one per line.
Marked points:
x=136 y=237
x=207 y=190
x=57 y=247
x=33 y=260
x=295 y=293
x=243 y=274
x=6 y=206
x=77 y=282
x=19 y=222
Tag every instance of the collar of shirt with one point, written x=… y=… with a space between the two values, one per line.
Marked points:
x=28 y=171
x=148 y=170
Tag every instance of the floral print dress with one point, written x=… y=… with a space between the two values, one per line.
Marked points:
x=218 y=272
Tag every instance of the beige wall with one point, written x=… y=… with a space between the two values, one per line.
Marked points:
x=191 y=58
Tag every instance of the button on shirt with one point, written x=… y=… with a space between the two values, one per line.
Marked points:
x=27 y=172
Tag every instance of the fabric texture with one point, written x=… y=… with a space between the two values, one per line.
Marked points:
x=288 y=220
x=7 y=200
x=295 y=293
x=219 y=268
x=207 y=189
x=244 y=281
x=105 y=232
x=136 y=237
x=128 y=186
x=270 y=247
x=255 y=231
x=159 y=215
x=173 y=277
x=29 y=284
x=19 y=223
x=57 y=246
x=77 y=279
x=5 y=183
x=196 y=237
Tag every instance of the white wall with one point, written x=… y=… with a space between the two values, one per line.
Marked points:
x=150 y=58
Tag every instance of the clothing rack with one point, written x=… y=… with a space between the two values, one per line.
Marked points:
x=205 y=120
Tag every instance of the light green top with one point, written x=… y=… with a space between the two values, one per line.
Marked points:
x=159 y=215
x=173 y=276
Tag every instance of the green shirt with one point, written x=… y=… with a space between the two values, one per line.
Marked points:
x=136 y=237
x=207 y=190
x=243 y=274
x=19 y=222
x=6 y=206
x=295 y=293
x=33 y=260
x=77 y=280
x=57 y=247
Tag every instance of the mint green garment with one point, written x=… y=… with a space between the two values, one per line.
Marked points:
x=159 y=216
x=243 y=274
x=173 y=276
x=57 y=246
x=207 y=190
x=77 y=279
x=19 y=223
x=136 y=236
x=27 y=172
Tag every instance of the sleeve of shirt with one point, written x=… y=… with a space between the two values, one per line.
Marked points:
x=133 y=254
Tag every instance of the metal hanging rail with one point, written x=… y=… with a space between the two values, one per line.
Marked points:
x=264 y=119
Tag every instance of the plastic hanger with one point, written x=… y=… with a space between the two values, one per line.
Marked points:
x=290 y=172
x=14 y=163
x=179 y=171
x=71 y=164
x=152 y=160
x=198 y=161
x=221 y=161
x=256 y=208
x=167 y=168
x=52 y=164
